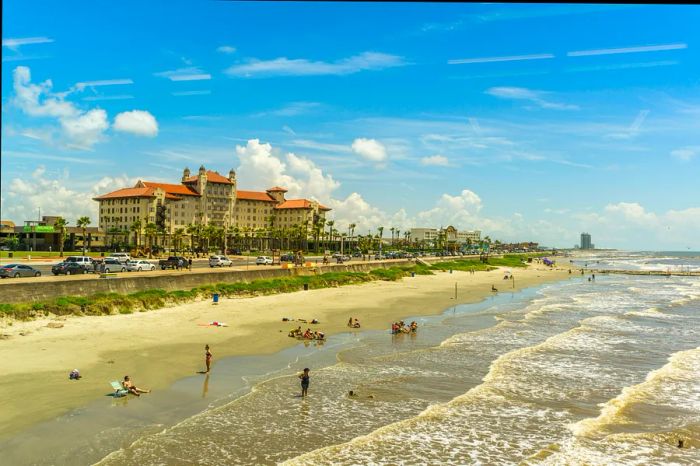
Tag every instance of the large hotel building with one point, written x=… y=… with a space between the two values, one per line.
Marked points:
x=206 y=198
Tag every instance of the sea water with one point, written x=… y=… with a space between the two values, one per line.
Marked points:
x=579 y=372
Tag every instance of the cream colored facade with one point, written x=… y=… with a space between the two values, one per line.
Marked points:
x=452 y=235
x=206 y=198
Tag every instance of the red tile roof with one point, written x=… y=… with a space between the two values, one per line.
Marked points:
x=212 y=177
x=127 y=192
x=254 y=196
x=276 y=189
x=179 y=189
x=322 y=207
x=298 y=204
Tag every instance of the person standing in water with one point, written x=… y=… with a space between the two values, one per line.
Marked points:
x=304 y=376
x=207 y=357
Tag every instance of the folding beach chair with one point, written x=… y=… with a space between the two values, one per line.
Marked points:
x=119 y=391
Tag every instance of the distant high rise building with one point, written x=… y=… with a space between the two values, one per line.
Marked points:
x=586 y=241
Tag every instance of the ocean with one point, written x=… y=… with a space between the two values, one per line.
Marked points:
x=578 y=372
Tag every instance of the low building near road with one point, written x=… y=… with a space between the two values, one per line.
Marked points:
x=41 y=235
x=444 y=237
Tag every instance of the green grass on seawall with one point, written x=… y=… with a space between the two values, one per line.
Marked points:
x=115 y=303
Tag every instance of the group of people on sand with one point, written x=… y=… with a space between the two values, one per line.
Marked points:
x=400 y=327
x=353 y=323
x=307 y=335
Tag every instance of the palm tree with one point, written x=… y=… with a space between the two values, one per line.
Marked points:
x=177 y=238
x=351 y=227
x=136 y=228
x=151 y=231
x=192 y=230
x=82 y=223
x=60 y=225
x=330 y=224
x=381 y=234
x=393 y=230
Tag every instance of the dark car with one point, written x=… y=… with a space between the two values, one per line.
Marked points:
x=234 y=252
x=287 y=258
x=18 y=270
x=68 y=268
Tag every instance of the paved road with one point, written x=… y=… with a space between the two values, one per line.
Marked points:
x=198 y=266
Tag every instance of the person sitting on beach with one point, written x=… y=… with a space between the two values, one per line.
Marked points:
x=350 y=322
x=493 y=288
x=129 y=385
x=319 y=336
x=405 y=329
x=314 y=321
x=295 y=332
x=356 y=324
x=414 y=326
x=394 y=328
x=308 y=335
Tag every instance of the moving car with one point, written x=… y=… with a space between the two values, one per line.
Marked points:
x=220 y=261
x=113 y=264
x=18 y=270
x=68 y=268
x=139 y=265
x=263 y=260
x=83 y=261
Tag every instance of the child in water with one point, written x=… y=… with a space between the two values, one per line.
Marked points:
x=304 y=376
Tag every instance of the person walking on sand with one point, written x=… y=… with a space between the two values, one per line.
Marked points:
x=304 y=376
x=207 y=357
x=129 y=385
x=189 y=264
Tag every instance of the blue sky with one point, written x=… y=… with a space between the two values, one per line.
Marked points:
x=529 y=122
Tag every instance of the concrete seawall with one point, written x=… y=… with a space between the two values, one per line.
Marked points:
x=86 y=285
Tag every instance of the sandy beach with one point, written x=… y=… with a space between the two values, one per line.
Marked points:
x=158 y=347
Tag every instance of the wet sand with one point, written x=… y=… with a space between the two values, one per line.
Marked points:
x=158 y=347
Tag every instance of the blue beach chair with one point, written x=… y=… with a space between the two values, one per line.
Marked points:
x=119 y=391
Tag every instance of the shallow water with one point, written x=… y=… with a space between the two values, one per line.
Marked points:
x=603 y=372
x=577 y=372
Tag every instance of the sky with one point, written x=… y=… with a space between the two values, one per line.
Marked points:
x=529 y=122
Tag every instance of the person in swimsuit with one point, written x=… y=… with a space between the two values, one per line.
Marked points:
x=304 y=376
x=129 y=385
x=207 y=357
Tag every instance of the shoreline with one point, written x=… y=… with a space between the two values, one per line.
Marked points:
x=161 y=346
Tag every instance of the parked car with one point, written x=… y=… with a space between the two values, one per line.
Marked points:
x=220 y=261
x=171 y=262
x=18 y=270
x=263 y=260
x=287 y=258
x=68 y=268
x=139 y=265
x=357 y=254
x=84 y=261
x=113 y=264
x=235 y=252
x=122 y=257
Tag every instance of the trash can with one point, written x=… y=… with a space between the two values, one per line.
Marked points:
x=216 y=298
x=450 y=270
x=306 y=287
x=413 y=274
x=10 y=255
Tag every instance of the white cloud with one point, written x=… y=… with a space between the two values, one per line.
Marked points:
x=87 y=129
x=292 y=109
x=634 y=128
x=632 y=212
x=303 y=67
x=369 y=149
x=25 y=195
x=437 y=160
x=639 y=49
x=538 y=56
x=15 y=43
x=191 y=73
x=104 y=82
x=686 y=153
x=535 y=97
x=355 y=209
x=81 y=129
x=227 y=49
x=139 y=122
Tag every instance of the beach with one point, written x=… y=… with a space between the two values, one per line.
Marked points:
x=157 y=347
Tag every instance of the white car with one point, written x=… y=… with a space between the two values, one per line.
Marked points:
x=263 y=260
x=122 y=257
x=220 y=261
x=138 y=266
